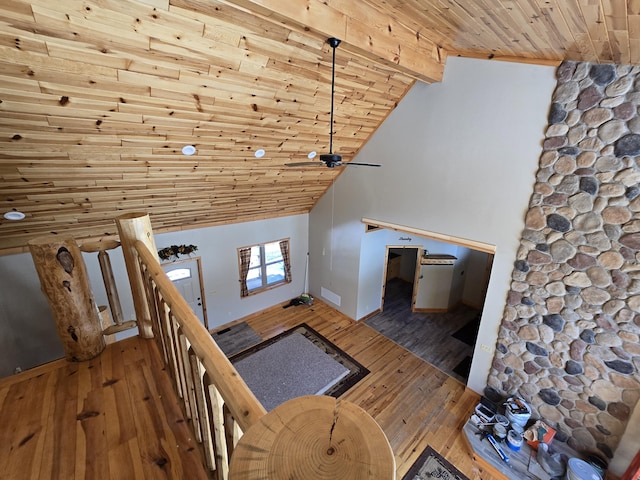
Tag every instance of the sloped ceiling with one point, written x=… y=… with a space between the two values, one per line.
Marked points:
x=98 y=97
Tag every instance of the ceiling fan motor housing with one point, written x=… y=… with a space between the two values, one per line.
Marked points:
x=331 y=159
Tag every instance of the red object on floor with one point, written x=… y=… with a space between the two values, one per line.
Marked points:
x=633 y=472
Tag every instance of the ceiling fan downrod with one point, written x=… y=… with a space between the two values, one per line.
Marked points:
x=331 y=159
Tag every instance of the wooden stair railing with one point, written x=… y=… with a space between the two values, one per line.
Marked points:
x=215 y=397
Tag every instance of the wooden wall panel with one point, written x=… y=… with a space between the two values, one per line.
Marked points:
x=97 y=97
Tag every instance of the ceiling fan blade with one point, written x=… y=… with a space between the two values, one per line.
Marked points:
x=305 y=164
x=362 y=164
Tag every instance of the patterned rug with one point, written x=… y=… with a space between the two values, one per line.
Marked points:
x=431 y=464
x=297 y=362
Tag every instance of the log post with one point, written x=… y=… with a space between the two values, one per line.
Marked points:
x=65 y=283
x=132 y=227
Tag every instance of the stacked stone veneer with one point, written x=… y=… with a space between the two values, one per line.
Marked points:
x=569 y=339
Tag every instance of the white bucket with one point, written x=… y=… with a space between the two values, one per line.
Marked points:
x=580 y=470
x=514 y=418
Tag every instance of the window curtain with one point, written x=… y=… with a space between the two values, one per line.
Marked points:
x=284 y=249
x=245 y=259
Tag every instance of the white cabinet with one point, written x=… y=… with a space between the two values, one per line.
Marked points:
x=434 y=284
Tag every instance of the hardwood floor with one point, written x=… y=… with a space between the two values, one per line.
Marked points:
x=415 y=403
x=116 y=416
x=113 y=417
x=427 y=335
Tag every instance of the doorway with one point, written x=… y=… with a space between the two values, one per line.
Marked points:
x=444 y=330
x=401 y=266
x=186 y=275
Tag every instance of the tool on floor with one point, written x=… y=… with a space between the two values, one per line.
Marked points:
x=497 y=448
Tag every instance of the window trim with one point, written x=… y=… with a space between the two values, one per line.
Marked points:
x=263 y=267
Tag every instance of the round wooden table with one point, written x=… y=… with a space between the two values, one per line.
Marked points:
x=314 y=437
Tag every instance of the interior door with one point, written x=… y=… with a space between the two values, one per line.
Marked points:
x=186 y=276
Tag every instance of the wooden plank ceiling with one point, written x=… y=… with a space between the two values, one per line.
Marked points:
x=98 y=97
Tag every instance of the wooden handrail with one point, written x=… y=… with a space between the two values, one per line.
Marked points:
x=242 y=403
x=214 y=396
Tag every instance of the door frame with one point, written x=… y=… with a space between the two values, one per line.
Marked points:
x=419 y=249
x=200 y=282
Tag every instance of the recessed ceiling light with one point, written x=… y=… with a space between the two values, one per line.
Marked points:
x=311 y=155
x=188 y=150
x=259 y=153
x=14 y=215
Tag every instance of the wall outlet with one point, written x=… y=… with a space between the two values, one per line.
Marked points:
x=486 y=348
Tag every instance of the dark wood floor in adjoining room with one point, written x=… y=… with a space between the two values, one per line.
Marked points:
x=115 y=417
x=427 y=335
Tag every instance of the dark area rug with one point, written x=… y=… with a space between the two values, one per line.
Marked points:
x=468 y=332
x=464 y=367
x=431 y=464
x=236 y=338
x=297 y=362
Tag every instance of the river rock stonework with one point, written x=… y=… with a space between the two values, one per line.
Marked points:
x=571 y=325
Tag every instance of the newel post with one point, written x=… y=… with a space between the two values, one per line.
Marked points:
x=65 y=283
x=133 y=227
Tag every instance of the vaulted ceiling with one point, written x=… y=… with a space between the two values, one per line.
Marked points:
x=98 y=97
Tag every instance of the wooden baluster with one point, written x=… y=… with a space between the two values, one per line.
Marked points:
x=203 y=415
x=117 y=324
x=188 y=377
x=217 y=427
x=133 y=227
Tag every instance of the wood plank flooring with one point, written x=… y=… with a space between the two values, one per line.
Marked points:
x=117 y=416
x=415 y=403
x=113 y=417
x=427 y=335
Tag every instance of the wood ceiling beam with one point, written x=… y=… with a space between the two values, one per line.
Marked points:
x=364 y=30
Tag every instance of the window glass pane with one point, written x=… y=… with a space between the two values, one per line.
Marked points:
x=272 y=252
x=255 y=257
x=179 y=274
x=254 y=278
x=275 y=272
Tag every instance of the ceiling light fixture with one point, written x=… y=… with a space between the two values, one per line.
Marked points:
x=188 y=150
x=259 y=153
x=311 y=155
x=14 y=215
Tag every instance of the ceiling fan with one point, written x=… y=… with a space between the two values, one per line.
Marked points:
x=331 y=159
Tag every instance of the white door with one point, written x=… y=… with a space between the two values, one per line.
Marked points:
x=186 y=277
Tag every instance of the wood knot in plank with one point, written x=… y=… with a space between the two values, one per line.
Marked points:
x=65 y=259
x=87 y=414
x=26 y=439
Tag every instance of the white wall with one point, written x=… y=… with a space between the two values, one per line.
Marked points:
x=28 y=336
x=217 y=246
x=27 y=331
x=459 y=158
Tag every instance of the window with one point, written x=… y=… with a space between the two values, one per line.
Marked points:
x=179 y=274
x=264 y=266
